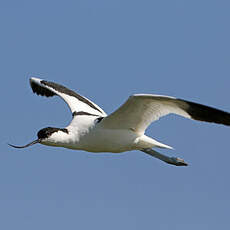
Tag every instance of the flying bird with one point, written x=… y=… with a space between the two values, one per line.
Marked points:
x=92 y=130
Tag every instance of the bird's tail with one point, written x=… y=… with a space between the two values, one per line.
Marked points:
x=148 y=142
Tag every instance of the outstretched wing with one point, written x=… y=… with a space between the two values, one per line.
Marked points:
x=78 y=104
x=140 y=110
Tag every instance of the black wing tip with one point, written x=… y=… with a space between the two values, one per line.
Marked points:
x=37 y=88
x=208 y=114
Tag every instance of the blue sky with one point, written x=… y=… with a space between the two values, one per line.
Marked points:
x=108 y=50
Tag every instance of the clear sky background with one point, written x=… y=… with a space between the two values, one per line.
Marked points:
x=108 y=50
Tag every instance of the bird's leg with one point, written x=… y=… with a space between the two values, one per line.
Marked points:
x=170 y=160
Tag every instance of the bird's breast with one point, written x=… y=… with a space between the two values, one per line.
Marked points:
x=106 y=140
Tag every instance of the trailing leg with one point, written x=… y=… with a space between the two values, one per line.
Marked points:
x=170 y=160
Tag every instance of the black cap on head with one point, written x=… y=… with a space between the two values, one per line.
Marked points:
x=47 y=132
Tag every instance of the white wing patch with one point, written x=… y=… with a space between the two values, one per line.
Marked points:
x=76 y=102
x=140 y=110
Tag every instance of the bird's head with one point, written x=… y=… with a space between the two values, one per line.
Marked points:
x=46 y=136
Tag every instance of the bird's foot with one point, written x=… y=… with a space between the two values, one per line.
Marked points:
x=177 y=161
